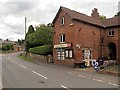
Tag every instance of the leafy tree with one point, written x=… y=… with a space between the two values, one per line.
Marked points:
x=118 y=14
x=42 y=36
x=49 y=24
x=20 y=42
x=7 y=47
x=30 y=30
x=45 y=35
x=102 y=17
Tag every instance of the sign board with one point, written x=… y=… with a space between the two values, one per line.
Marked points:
x=62 y=45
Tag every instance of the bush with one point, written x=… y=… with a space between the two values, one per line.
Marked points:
x=42 y=50
x=7 y=47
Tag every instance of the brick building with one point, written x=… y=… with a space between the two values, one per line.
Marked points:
x=78 y=37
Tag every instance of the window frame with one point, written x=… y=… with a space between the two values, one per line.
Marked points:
x=111 y=33
x=61 y=54
x=69 y=53
x=62 y=21
x=62 y=38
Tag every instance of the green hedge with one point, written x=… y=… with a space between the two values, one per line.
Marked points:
x=7 y=47
x=42 y=50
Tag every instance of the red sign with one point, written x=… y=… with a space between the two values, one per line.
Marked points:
x=69 y=44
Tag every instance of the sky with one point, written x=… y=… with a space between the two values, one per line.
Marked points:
x=13 y=13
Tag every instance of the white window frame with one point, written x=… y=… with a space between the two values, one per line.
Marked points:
x=61 y=54
x=62 y=20
x=69 y=53
x=111 y=33
x=62 y=38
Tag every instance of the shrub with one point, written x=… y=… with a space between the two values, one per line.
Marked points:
x=42 y=50
x=7 y=47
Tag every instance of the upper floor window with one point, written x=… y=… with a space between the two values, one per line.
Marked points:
x=111 y=33
x=62 y=21
x=62 y=38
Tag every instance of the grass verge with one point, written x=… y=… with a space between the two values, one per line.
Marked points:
x=21 y=56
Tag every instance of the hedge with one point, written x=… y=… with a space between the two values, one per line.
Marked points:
x=7 y=47
x=41 y=50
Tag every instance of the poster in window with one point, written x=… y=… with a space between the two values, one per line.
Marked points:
x=70 y=54
x=66 y=53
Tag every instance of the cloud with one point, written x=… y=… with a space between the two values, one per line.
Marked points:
x=17 y=8
x=13 y=13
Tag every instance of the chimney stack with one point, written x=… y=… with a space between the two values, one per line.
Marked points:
x=95 y=13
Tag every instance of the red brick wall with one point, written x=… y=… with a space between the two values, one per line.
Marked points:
x=67 y=30
x=107 y=40
x=85 y=35
x=119 y=45
x=88 y=36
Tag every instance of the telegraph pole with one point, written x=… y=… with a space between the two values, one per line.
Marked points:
x=25 y=37
x=25 y=26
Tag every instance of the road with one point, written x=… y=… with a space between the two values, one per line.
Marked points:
x=17 y=73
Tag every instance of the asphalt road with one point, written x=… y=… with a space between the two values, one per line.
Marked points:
x=17 y=73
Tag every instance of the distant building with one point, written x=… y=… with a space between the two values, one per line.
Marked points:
x=78 y=37
x=16 y=46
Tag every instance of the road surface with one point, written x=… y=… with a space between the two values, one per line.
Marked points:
x=17 y=73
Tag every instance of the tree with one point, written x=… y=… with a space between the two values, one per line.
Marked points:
x=7 y=47
x=118 y=14
x=42 y=40
x=102 y=17
x=42 y=36
x=20 y=42
x=30 y=30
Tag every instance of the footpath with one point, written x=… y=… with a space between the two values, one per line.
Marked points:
x=111 y=70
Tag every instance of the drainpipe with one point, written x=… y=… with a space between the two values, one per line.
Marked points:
x=100 y=43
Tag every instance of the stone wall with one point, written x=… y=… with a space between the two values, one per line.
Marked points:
x=41 y=58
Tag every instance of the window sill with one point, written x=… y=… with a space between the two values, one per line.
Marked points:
x=62 y=42
x=61 y=25
x=110 y=36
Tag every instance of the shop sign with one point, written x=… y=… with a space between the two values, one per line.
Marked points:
x=62 y=45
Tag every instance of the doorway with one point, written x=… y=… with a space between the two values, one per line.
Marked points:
x=112 y=51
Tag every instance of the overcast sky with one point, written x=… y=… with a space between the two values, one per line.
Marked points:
x=13 y=13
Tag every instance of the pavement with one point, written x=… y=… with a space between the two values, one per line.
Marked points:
x=102 y=71
x=88 y=69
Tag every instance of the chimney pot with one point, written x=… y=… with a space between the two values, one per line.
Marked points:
x=95 y=13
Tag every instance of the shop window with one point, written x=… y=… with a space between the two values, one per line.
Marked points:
x=69 y=53
x=86 y=54
x=111 y=33
x=61 y=54
x=62 y=38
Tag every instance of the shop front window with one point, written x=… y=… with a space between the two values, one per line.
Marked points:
x=86 y=54
x=61 y=54
x=69 y=53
